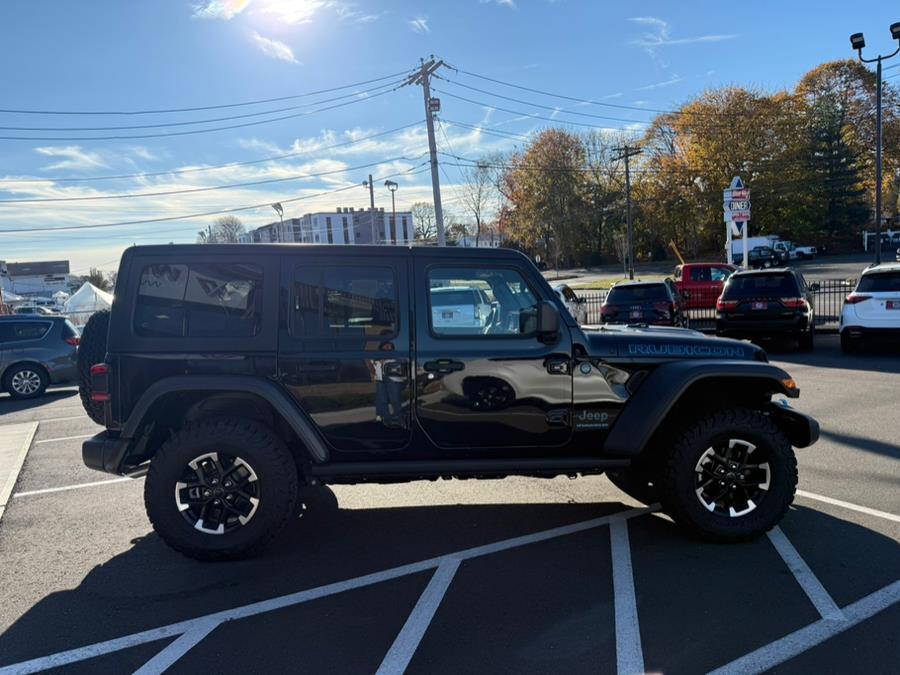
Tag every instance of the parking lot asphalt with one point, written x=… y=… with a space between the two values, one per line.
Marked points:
x=518 y=575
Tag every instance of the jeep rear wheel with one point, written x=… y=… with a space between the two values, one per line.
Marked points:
x=221 y=489
x=730 y=476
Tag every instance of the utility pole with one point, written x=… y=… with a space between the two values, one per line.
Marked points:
x=432 y=105
x=369 y=184
x=628 y=151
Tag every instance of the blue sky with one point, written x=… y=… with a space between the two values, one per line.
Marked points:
x=109 y=55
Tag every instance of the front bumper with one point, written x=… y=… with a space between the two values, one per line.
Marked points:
x=801 y=429
x=107 y=453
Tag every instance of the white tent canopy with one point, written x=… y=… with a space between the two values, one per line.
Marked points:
x=85 y=301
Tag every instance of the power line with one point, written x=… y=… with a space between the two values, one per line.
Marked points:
x=145 y=221
x=198 y=131
x=488 y=130
x=207 y=107
x=229 y=165
x=160 y=125
x=165 y=193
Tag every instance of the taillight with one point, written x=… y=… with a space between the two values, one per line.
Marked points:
x=793 y=303
x=854 y=298
x=100 y=382
x=664 y=308
x=606 y=310
x=726 y=305
x=74 y=340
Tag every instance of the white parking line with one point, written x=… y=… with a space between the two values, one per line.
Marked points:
x=176 y=649
x=62 y=438
x=848 y=505
x=263 y=606
x=406 y=643
x=64 y=419
x=813 y=588
x=816 y=633
x=65 y=488
x=629 y=653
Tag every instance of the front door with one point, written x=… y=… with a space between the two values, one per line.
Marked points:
x=483 y=377
x=344 y=348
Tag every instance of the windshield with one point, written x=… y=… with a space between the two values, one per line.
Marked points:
x=779 y=285
x=621 y=295
x=879 y=282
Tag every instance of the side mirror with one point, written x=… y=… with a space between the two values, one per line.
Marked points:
x=547 y=320
x=814 y=287
x=686 y=295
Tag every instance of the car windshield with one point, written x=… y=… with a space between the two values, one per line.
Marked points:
x=777 y=285
x=620 y=295
x=879 y=282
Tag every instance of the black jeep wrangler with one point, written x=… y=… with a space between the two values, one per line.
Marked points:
x=242 y=378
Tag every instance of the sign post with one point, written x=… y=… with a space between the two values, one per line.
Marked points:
x=736 y=205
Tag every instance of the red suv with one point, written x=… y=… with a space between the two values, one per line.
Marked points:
x=700 y=284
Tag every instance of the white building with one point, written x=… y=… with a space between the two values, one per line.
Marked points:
x=37 y=279
x=342 y=226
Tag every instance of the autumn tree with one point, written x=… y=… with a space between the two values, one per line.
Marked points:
x=97 y=278
x=424 y=221
x=223 y=230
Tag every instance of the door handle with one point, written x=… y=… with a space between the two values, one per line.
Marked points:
x=443 y=366
x=319 y=367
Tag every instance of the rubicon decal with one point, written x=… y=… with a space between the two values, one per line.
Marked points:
x=674 y=349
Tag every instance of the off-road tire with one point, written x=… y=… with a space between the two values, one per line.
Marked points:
x=92 y=350
x=807 y=340
x=277 y=480
x=26 y=368
x=677 y=489
x=637 y=482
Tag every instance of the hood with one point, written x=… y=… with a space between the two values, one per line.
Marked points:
x=663 y=343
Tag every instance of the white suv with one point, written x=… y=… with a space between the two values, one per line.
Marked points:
x=873 y=308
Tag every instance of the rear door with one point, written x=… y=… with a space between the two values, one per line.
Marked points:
x=494 y=385
x=344 y=347
x=882 y=309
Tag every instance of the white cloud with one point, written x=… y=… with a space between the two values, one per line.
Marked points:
x=274 y=48
x=73 y=158
x=292 y=11
x=220 y=9
x=419 y=25
x=665 y=83
x=503 y=3
x=660 y=36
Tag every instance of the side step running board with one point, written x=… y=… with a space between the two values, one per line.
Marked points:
x=458 y=467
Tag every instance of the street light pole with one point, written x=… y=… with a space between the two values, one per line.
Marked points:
x=280 y=211
x=858 y=42
x=392 y=186
x=628 y=151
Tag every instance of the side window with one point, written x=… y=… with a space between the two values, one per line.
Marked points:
x=677 y=273
x=480 y=301
x=719 y=273
x=344 y=302
x=23 y=330
x=569 y=295
x=199 y=300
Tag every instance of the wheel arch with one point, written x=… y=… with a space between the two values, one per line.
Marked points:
x=23 y=362
x=678 y=391
x=174 y=401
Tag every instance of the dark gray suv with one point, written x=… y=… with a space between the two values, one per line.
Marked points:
x=36 y=352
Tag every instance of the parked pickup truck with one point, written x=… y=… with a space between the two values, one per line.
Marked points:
x=700 y=284
x=240 y=379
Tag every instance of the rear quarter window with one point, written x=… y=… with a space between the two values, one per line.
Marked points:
x=23 y=330
x=220 y=300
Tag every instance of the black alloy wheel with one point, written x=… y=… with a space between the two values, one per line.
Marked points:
x=732 y=478
x=217 y=493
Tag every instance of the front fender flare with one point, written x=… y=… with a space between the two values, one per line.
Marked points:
x=662 y=388
x=265 y=389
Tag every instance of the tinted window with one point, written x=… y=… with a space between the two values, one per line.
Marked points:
x=499 y=302
x=701 y=274
x=23 y=330
x=622 y=295
x=199 y=300
x=719 y=274
x=882 y=282
x=344 y=302
x=761 y=285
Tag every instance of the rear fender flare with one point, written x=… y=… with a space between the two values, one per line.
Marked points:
x=266 y=390
x=648 y=407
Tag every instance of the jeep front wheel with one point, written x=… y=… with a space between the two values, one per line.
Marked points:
x=730 y=477
x=221 y=489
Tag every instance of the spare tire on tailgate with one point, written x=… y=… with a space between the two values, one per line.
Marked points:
x=91 y=350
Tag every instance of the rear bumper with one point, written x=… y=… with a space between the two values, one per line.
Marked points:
x=866 y=332
x=762 y=327
x=104 y=452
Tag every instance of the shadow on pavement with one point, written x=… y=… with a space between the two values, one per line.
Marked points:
x=151 y=586
x=865 y=444
x=12 y=405
x=880 y=357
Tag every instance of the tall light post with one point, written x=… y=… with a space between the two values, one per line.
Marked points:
x=392 y=186
x=279 y=209
x=858 y=42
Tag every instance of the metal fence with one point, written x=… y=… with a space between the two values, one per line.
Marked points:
x=828 y=300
